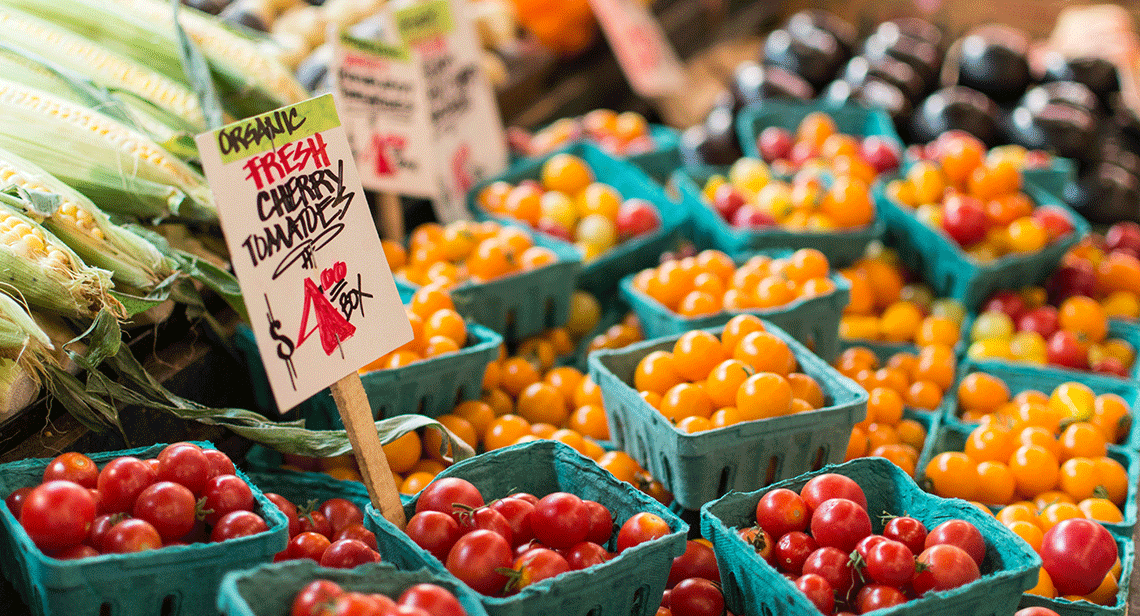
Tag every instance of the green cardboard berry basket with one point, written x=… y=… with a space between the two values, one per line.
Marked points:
x=521 y=304
x=601 y=275
x=629 y=585
x=430 y=387
x=709 y=230
x=178 y=580
x=849 y=120
x=951 y=436
x=269 y=590
x=752 y=587
x=1126 y=548
x=1020 y=377
x=658 y=163
x=813 y=321
x=700 y=467
x=943 y=264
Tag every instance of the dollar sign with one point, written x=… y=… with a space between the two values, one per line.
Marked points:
x=283 y=341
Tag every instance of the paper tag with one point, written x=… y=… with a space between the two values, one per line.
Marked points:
x=381 y=97
x=470 y=143
x=644 y=54
x=304 y=247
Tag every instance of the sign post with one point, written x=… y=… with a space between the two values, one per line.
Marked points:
x=306 y=254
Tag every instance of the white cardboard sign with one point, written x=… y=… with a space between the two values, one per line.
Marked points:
x=322 y=302
x=646 y=58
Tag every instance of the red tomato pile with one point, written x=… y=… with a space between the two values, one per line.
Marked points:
x=332 y=534
x=821 y=540
x=185 y=495
x=504 y=546
x=693 y=588
x=322 y=597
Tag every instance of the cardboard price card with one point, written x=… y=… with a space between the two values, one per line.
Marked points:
x=646 y=58
x=321 y=298
x=381 y=96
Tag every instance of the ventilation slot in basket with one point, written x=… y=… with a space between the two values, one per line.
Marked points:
x=820 y=458
x=773 y=469
x=169 y=606
x=722 y=485
x=639 y=601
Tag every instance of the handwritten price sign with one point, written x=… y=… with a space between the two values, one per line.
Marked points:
x=304 y=247
x=644 y=54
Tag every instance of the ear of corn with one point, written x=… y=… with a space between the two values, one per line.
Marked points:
x=81 y=225
x=100 y=65
x=17 y=328
x=38 y=268
x=101 y=158
x=168 y=130
x=249 y=81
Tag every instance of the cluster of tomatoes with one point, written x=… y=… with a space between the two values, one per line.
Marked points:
x=568 y=203
x=884 y=307
x=821 y=539
x=504 y=546
x=437 y=329
x=619 y=134
x=693 y=586
x=332 y=534
x=976 y=200
x=1106 y=268
x=322 y=597
x=185 y=495
x=711 y=282
x=465 y=252
x=707 y=382
x=621 y=334
x=1020 y=326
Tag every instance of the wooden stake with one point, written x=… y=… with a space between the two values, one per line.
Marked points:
x=352 y=402
x=390 y=216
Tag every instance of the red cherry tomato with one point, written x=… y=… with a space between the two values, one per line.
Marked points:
x=890 y=563
x=237 y=524
x=185 y=463
x=441 y=494
x=946 y=567
x=169 y=507
x=831 y=485
x=840 y=523
x=307 y=544
x=835 y=567
x=220 y=463
x=15 y=500
x=1076 y=553
x=76 y=552
x=131 y=535
x=120 y=483
x=72 y=466
x=341 y=512
x=760 y=541
x=639 y=528
x=435 y=532
x=435 y=600
x=962 y=534
x=476 y=559
x=696 y=597
x=908 y=531
x=818 y=591
x=315 y=599
x=560 y=520
x=792 y=550
x=516 y=511
x=348 y=553
x=226 y=493
x=698 y=561
x=103 y=523
x=586 y=555
x=537 y=565
x=782 y=511
x=358 y=532
x=878 y=596
x=316 y=522
x=57 y=515
x=530 y=498
x=289 y=509
x=486 y=518
x=601 y=522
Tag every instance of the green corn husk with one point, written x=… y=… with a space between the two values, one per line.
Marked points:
x=166 y=129
x=132 y=260
x=53 y=278
x=100 y=65
x=101 y=158
x=249 y=81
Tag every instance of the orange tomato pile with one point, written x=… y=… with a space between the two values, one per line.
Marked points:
x=710 y=282
x=884 y=308
x=708 y=382
x=623 y=333
x=465 y=252
x=436 y=327
x=413 y=458
x=619 y=134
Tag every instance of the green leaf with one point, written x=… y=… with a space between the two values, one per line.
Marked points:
x=197 y=72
